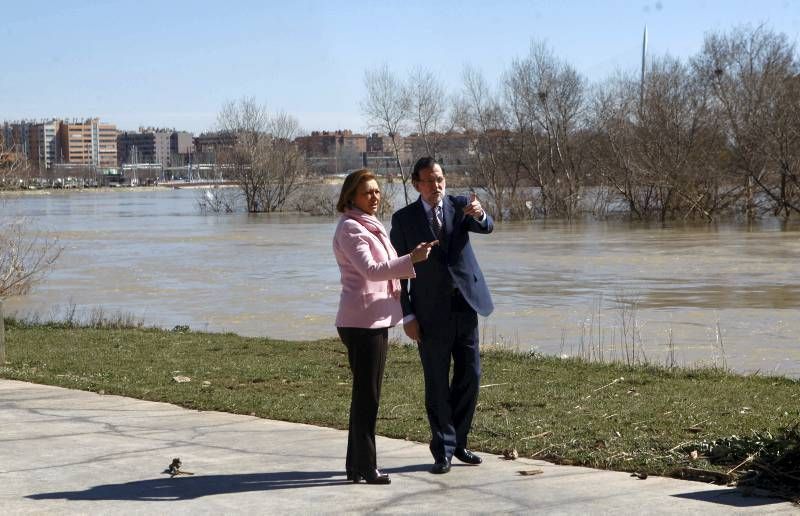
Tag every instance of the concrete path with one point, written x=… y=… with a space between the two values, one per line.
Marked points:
x=74 y=452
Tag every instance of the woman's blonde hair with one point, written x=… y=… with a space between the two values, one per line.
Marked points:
x=350 y=187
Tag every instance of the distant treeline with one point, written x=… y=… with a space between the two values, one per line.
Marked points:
x=716 y=135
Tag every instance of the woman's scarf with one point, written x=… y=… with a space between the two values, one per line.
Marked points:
x=374 y=226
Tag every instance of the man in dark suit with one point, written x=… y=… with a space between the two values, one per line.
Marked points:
x=441 y=304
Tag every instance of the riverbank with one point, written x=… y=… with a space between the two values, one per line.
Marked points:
x=114 y=189
x=638 y=419
x=73 y=191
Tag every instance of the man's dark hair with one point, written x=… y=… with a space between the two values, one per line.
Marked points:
x=422 y=164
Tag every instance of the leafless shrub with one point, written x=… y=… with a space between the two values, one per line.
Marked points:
x=99 y=319
x=600 y=200
x=15 y=170
x=315 y=198
x=25 y=257
x=219 y=200
x=631 y=347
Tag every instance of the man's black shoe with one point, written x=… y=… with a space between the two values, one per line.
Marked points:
x=467 y=457
x=441 y=467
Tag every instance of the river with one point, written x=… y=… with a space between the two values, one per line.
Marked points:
x=725 y=294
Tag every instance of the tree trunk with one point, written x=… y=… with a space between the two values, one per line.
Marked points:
x=750 y=209
x=2 y=336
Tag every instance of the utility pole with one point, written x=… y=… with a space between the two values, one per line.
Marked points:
x=641 y=81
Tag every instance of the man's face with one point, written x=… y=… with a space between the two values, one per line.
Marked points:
x=431 y=184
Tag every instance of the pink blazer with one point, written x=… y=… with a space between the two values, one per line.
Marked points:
x=366 y=269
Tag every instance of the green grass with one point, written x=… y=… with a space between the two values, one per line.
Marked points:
x=643 y=419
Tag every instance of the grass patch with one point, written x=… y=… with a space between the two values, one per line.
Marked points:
x=628 y=418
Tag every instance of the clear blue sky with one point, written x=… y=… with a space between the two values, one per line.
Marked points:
x=174 y=63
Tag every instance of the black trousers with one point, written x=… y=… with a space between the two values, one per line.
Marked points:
x=366 y=351
x=450 y=404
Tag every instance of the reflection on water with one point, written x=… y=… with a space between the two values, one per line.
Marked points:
x=152 y=254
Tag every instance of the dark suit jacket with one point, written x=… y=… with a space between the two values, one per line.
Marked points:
x=452 y=263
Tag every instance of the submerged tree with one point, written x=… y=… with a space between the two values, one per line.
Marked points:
x=262 y=157
x=545 y=98
x=662 y=152
x=494 y=165
x=753 y=74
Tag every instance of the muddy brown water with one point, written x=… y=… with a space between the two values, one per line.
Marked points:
x=726 y=294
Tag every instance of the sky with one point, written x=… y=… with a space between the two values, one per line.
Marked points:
x=176 y=63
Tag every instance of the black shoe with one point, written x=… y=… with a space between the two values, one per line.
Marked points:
x=370 y=477
x=441 y=467
x=467 y=457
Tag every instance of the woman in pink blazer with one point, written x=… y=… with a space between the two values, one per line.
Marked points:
x=368 y=306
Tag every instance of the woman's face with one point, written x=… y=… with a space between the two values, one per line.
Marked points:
x=368 y=197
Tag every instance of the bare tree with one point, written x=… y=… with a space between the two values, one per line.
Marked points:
x=386 y=108
x=546 y=99
x=481 y=117
x=262 y=159
x=219 y=200
x=282 y=161
x=753 y=73
x=13 y=165
x=427 y=108
x=661 y=152
x=25 y=257
x=784 y=145
x=612 y=145
x=680 y=144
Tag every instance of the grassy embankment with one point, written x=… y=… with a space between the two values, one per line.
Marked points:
x=642 y=419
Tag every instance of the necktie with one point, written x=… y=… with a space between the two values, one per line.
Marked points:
x=436 y=222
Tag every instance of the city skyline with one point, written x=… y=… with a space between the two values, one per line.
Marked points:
x=176 y=65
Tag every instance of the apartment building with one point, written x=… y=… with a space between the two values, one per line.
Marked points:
x=208 y=145
x=335 y=152
x=88 y=143
x=44 y=144
x=339 y=152
x=144 y=146
x=181 y=146
x=453 y=150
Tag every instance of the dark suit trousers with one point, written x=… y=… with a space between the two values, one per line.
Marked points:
x=451 y=405
x=366 y=351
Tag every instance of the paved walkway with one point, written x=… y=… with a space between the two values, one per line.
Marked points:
x=74 y=452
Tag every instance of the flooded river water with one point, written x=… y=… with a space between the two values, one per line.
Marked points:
x=723 y=294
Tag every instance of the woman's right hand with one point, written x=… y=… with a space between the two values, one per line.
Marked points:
x=422 y=251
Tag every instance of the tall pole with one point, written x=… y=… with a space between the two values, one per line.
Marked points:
x=641 y=81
